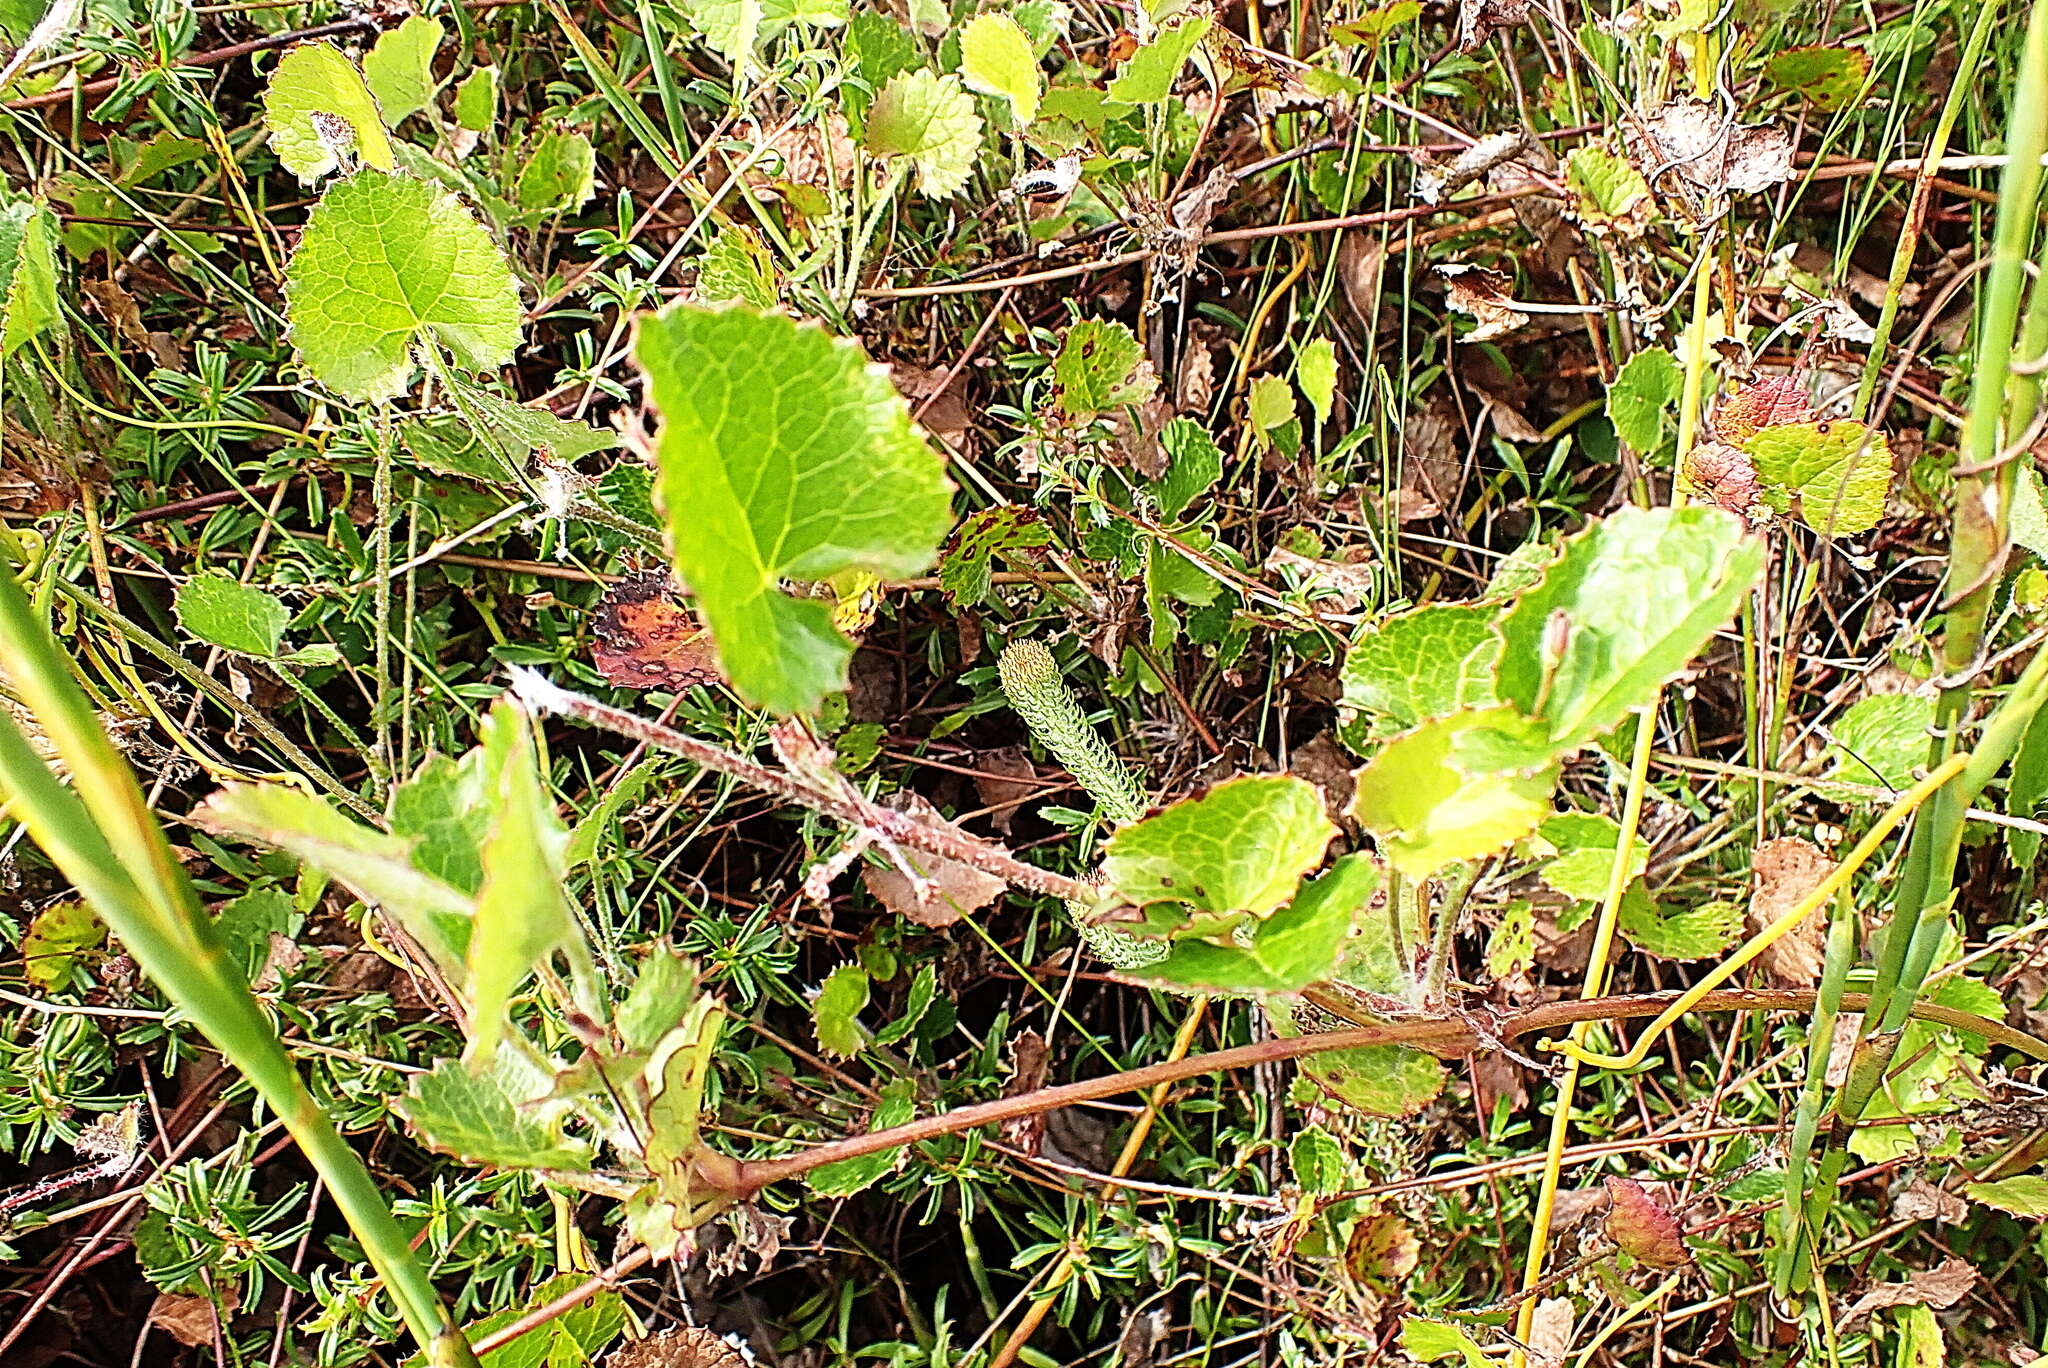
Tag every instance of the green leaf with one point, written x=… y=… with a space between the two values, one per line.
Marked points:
x=1838 y=471
x=1315 y=370
x=54 y=941
x=1317 y=1161
x=2026 y=789
x=923 y=989
x=897 y=1107
x=1431 y=1340
x=507 y=433
x=1148 y=76
x=1613 y=196
x=1585 y=844
x=1696 y=933
x=1101 y=367
x=782 y=453
x=399 y=70
x=1921 y=1342
x=376 y=867
x=731 y=28
x=967 y=565
x=559 y=176
x=1379 y=1080
x=28 y=274
x=388 y=264
x=1456 y=788
x=2029 y=518
x=476 y=100
x=835 y=1015
x=1194 y=465
x=1271 y=404
x=573 y=1339
x=1826 y=77
x=522 y=915
x=1370 y=27
x=488 y=1117
x=247 y=924
x=217 y=608
x=2026 y=1195
x=1295 y=947
x=737 y=265
x=1239 y=848
x=1643 y=397
x=1582 y=653
x=996 y=58
x=929 y=119
x=1426 y=663
x=1882 y=739
x=318 y=111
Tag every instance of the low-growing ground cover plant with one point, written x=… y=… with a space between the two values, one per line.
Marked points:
x=694 y=683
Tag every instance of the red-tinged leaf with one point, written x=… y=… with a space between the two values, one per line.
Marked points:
x=1642 y=1226
x=1769 y=402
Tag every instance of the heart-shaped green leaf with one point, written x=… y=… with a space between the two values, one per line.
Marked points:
x=782 y=454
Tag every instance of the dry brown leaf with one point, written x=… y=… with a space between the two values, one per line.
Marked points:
x=1479 y=20
x=1786 y=870
x=688 y=1347
x=1346 y=584
x=1483 y=294
x=1328 y=766
x=952 y=889
x=1361 y=262
x=188 y=1320
x=1030 y=1059
x=1939 y=1287
x=1382 y=1250
x=1004 y=779
x=1550 y=1329
x=1711 y=153
x=1920 y=1200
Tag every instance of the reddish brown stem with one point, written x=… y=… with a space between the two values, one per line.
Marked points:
x=1440 y=1035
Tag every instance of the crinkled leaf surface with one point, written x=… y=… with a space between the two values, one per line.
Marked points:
x=1882 y=739
x=1585 y=843
x=477 y=1117
x=445 y=807
x=1297 y=946
x=1838 y=472
x=835 y=1015
x=559 y=174
x=929 y=119
x=1101 y=367
x=388 y=263
x=1632 y=600
x=222 y=611
x=2025 y=1195
x=1194 y=465
x=1425 y=663
x=1826 y=77
x=400 y=69
x=317 y=107
x=1241 y=847
x=1644 y=394
x=996 y=58
x=782 y=453
x=1689 y=934
x=1315 y=370
x=1379 y=1080
x=28 y=273
x=1456 y=788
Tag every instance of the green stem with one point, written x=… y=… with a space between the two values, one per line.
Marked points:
x=1961 y=87
x=103 y=837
